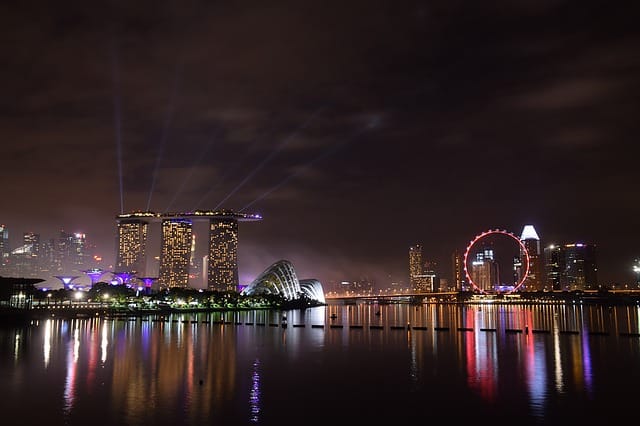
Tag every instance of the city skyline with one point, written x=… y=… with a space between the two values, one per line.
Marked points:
x=356 y=130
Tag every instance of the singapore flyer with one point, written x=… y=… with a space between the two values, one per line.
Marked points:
x=484 y=276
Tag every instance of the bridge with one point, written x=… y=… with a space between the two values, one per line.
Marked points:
x=398 y=297
x=617 y=296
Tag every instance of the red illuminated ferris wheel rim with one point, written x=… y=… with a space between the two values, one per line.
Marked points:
x=523 y=249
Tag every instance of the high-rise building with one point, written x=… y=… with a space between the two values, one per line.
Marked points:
x=555 y=277
x=175 y=252
x=4 y=246
x=180 y=259
x=581 y=269
x=223 y=254
x=484 y=270
x=415 y=268
x=531 y=241
x=132 y=240
x=24 y=260
x=457 y=263
x=571 y=267
x=422 y=275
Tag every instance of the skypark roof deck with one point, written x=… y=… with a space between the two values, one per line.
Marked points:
x=194 y=215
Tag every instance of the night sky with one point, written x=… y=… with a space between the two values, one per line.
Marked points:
x=355 y=128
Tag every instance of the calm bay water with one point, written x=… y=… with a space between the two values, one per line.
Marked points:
x=396 y=363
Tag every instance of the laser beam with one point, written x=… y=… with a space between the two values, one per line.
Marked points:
x=165 y=132
x=269 y=157
x=305 y=166
x=208 y=145
x=117 y=119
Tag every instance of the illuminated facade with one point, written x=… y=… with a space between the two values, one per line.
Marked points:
x=175 y=253
x=484 y=271
x=417 y=279
x=132 y=240
x=554 y=267
x=223 y=255
x=280 y=278
x=4 y=246
x=571 y=267
x=581 y=270
x=535 y=280
x=220 y=263
x=457 y=264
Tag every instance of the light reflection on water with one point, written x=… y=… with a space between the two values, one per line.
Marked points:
x=534 y=362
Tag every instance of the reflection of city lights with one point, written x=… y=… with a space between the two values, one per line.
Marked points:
x=254 y=395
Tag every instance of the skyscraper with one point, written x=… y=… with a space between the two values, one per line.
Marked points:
x=571 y=267
x=4 y=246
x=223 y=254
x=554 y=267
x=179 y=255
x=531 y=241
x=175 y=252
x=484 y=270
x=457 y=263
x=415 y=267
x=581 y=269
x=132 y=240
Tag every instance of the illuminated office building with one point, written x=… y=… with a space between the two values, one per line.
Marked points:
x=132 y=240
x=581 y=270
x=4 y=246
x=417 y=279
x=180 y=258
x=484 y=270
x=571 y=267
x=175 y=252
x=223 y=254
x=531 y=241
x=457 y=263
x=554 y=267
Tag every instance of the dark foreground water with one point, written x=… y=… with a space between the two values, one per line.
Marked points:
x=393 y=364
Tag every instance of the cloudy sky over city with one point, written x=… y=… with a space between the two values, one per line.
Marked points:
x=355 y=128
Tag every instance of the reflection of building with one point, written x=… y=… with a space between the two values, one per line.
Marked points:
x=571 y=267
x=531 y=241
x=175 y=253
x=280 y=278
x=201 y=370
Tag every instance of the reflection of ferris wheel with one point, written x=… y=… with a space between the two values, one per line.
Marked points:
x=523 y=250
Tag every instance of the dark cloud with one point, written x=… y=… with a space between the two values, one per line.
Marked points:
x=356 y=128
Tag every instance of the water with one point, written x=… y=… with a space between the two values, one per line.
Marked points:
x=396 y=364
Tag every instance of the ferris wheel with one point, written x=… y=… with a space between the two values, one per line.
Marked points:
x=482 y=236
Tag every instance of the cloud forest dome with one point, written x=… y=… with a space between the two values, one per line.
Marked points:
x=280 y=278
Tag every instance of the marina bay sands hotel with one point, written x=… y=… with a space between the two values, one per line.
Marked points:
x=177 y=247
